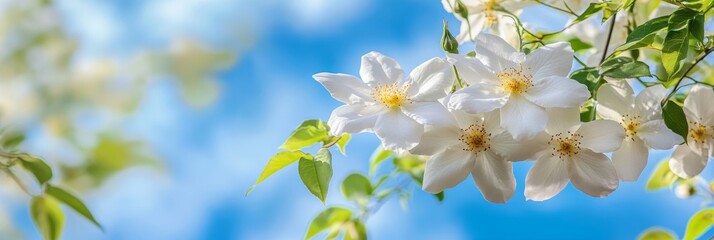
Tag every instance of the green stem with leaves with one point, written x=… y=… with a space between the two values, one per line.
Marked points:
x=686 y=72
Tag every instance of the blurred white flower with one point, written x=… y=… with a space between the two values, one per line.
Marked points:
x=688 y=160
x=484 y=15
x=571 y=151
x=383 y=102
x=684 y=190
x=641 y=118
x=521 y=86
x=473 y=144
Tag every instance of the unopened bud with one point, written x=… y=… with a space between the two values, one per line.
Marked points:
x=684 y=190
x=448 y=42
x=461 y=10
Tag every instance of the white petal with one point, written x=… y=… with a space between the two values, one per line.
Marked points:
x=522 y=118
x=379 y=69
x=430 y=80
x=562 y=120
x=494 y=177
x=697 y=105
x=478 y=98
x=558 y=92
x=447 y=169
x=472 y=71
x=437 y=139
x=432 y=113
x=593 y=173
x=647 y=103
x=685 y=163
x=345 y=88
x=630 y=159
x=470 y=29
x=510 y=149
x=547 y=178
x=614 y=101
x=495 y=52
x=657 y=135
x=601 y=135
x=397 y=131
x=353 y=119
x=551 y=60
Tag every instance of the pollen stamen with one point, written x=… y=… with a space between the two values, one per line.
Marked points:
x=392 y=96
x=700 y=133
x=515 y=81
x=475 y=138
x=631 y=124
x=565 y=146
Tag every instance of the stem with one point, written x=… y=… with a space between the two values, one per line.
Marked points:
x=601 y=80
x=332 y=143
x=609 y=36
x=557 y=8
x=18 y=181
x=686 y=72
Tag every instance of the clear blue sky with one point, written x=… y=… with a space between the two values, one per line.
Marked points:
x=214 y=154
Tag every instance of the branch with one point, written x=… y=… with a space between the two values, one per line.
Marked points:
x=686 y=72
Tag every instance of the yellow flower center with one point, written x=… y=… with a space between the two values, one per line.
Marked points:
x=392 y=96
x=515 y=81
x=631 y=124
x=475 y=138
x=565 y=145
x=488 y=11
x=699 y=133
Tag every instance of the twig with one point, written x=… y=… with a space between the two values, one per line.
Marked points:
x=684 y=75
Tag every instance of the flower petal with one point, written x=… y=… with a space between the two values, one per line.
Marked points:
x=614 y=100
x=509 y=149
x=379 y=69
x=547 y=178
x=630 y=159
x=437 y=139
x=647 y=103
x=494 y=177
x=397 y=131
x=562 y=120
x=447 y=169
x=496 y=53
x=430 y=80
x=551 y=60
x=657 y=135
x=522 y=118
x=345 y=88
x=685 y=163
x=696 y=105
x=432 y=113
x=472 y=71
x=478 y=98
x=471 y=28
x=353 y=119
x=593 y=173
x=556 y=91
x=601 y=135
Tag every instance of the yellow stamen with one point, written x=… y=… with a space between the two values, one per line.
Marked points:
x=700 y=133
x=476 y=138
x=515 y=81
x=392 y=96
x=565 y=146
x=631 y=124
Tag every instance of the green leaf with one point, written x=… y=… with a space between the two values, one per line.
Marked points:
x=305 y=135
x=699 y=223
x=696 y=28
x=591 y=10
x=48 y=217
x=379 y=155
x=37 y=167
x=331 y=218
x=643 y=35
x=587 y=77
x=662 y=177
x=316 y=173
x=586 y=112
x=355 y=230
x=277 y=162
x=73 y=202
x=10 y=140
x=657 y=234
x=676 y=42
x=357 y=187
x=625 y=67
x=579 y=45
x=675 y=119
x=411 y=165
x=342 y=143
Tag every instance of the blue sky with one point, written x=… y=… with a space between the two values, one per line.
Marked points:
x=213 y=154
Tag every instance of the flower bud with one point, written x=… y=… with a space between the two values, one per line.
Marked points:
x=448 y=42
x=461 y=10
x=684 y=190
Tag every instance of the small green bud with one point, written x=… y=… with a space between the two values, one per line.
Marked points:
x=461 y=10
x=448 y=42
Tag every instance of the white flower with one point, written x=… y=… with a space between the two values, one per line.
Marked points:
x=483 y=15
x=383 y=102
x=641 y=118
x=474 y=144
x=521 y=86
x=688 y=160
x=571 y=151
